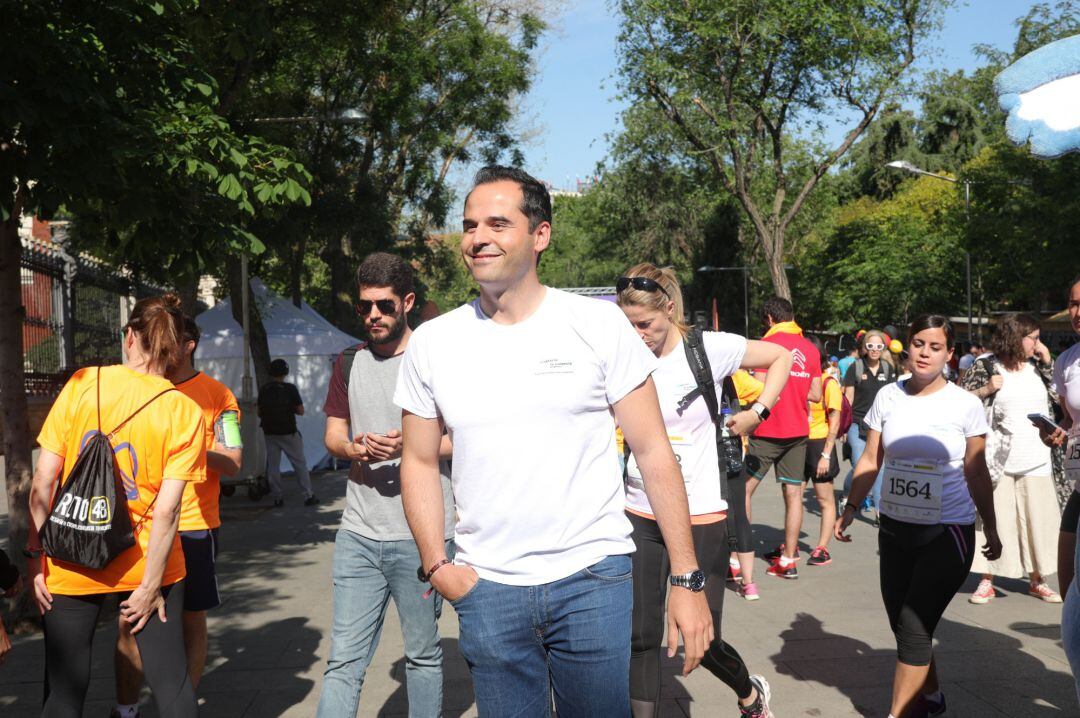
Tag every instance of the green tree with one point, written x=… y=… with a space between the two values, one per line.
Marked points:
x=738 y=80
x=101 y=106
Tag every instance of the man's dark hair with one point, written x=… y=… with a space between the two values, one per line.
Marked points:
x=383 y=269
x=779 y=309
x=535 y=200
x=191 y=332
x=279 y=368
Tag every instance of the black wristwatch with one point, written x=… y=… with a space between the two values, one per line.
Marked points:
x=695 y=580
x=761 y=410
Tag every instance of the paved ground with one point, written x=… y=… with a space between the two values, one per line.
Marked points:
x=822 y=640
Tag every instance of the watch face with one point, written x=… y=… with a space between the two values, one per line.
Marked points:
x=420 y=574
x=697 y=580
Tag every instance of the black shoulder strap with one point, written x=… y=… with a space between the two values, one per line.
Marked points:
x=347 y=358
x=699 y=365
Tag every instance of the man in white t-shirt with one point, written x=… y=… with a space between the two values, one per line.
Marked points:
x=526 y=380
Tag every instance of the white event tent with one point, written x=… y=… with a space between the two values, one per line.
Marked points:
x=299 y=335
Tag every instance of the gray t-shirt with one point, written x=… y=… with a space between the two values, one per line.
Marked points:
x=373 y=499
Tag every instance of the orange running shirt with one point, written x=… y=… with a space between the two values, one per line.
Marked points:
x=819 y=423
x=165 y=440
x=200 y=509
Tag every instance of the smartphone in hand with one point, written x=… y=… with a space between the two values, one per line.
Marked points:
x=1044 y=422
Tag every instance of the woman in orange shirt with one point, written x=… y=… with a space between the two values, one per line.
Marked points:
x=158 y=449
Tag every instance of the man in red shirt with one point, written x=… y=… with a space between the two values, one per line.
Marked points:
x=780 y=440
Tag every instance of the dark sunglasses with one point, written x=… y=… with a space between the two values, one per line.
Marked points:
x=386 y=306
x=642 y=284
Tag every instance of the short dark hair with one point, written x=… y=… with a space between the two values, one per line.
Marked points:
x=932 y=321
x=191 y=332
x=1073 y=283
x=383 y=269
x=535 y=200
x=779 y=309
x=279 y=367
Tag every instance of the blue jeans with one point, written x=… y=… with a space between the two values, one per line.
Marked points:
x=367 y=573
x=570 y=636
x=858 y=446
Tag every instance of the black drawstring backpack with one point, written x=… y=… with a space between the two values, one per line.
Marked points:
x=89 y=523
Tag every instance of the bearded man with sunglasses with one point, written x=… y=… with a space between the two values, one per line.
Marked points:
x=375 y=556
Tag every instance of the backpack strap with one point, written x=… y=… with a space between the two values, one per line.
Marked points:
x=347 y=358
x=699 y=365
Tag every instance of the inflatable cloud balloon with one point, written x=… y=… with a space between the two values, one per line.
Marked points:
x=1041 y=93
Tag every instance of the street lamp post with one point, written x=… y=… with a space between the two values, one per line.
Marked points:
x=908 y=167
x=746 y=289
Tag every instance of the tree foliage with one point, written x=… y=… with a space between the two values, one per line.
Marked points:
x=738 y=80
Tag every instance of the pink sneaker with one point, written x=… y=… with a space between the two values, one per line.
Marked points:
x=749 y=591
x=1045 y=593
x=984 y=593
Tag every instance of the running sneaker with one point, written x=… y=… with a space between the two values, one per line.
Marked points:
x=1045 y=593
x=819 y=557
x=311 y=500
x=776 y=553
x=789 y=571
x=734 y=570
x=984 y=593
x=760 y=707
x=749 y=591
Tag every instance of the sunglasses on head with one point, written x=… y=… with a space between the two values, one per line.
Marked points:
x=874 y=346
x=386 y=306
x=642 y=284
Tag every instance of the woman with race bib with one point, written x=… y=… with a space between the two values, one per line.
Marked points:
x=927 y=437
x=1066 y=383
x=652 y=300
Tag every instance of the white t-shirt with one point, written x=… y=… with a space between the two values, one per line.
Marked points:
x=691 y=431
x=1022 y=392
x=537 y=482
x=932 y=428
x=1066 y=383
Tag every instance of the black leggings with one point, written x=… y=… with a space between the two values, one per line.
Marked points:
x=69 y=636
x=651 y=570
x=922 y=568
x=737 y=520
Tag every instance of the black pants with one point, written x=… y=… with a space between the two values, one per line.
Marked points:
x=651 y=571
x=922 y=568
x=69 y=636
x=737 y=519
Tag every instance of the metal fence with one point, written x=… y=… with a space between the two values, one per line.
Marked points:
x=75 y=306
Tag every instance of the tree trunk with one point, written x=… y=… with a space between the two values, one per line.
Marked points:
x=296 y=272
x=16 y=425
x=260 y=346
x=774 y=257
x=338 y=257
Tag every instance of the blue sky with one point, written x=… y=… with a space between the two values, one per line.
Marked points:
x=572 y=105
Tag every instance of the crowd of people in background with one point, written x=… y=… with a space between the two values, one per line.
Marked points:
x=565 y=564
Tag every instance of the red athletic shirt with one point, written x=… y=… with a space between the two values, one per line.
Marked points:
x=790 y=417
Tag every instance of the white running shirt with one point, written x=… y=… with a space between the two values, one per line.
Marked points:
x=535 y=473
x=1066 y=384
x=692 y=432
x=932 y=428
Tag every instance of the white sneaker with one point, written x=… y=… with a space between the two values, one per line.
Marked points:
x=765 y=692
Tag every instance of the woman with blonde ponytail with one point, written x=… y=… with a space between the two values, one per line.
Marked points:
x=157 y=437
x=652 y=300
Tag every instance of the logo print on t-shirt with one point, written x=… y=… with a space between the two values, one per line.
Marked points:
x=130 y=487
x=554 y=366
x=798 y=359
